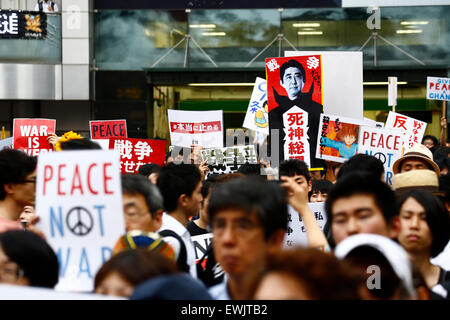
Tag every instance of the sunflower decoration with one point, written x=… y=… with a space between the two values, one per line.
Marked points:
x=67 y=137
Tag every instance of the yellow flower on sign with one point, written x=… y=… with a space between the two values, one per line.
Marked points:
x=33 y=23
x=70 y=135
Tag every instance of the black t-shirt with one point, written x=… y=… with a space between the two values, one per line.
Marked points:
x=194 y=229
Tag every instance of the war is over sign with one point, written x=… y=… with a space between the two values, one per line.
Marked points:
x=79 y=201
x=30 y=135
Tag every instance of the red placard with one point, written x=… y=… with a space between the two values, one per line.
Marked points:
x=137 y=152
x=30 y=135
x=105 y=129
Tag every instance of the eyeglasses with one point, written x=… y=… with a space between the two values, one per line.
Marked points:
x=134 y=216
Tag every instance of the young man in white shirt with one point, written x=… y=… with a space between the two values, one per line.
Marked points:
x=46 y=6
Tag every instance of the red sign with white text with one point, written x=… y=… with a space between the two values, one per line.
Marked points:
x=136 y=152
x=30 y=135
x=105 y=129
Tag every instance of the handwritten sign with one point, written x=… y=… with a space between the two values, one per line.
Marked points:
x=105 y=129
x=296 y=144
x=136 y=152
x=79 y=200
x=438 y=88
x=384 y=144
x=257 y=117
x=412 y=129
x=30 y=135
x=296 y=231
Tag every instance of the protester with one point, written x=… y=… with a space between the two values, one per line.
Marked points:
x=26 y=259
x=296 y=169
x=416 y=158
x=308 y=274
x=248 y=216
x=125 y=270
x=431 y=142
x=150 y=171
x=46 y=6
x=180 y=187
x=364 y=162
x=359 y=203
x=319 y=190
x=424 y=231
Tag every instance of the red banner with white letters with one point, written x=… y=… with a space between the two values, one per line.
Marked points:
x=30 y=135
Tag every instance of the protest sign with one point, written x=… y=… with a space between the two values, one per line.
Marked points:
x=384 y=144
x=257 y=117
x=229 y=159
x=105 y=129
x=136 y=152
x=342 y=81
x=79 y=200
x=103 y=143
x=295 y=81
x=412 y=129
x=338 y=138
x=296 y=145
x=201 y=244
x=296 y=231
x=204 y=128
x=372 y=123
x=438 y=88
x=30 y=135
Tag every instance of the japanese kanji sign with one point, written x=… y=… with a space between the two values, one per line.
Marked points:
x=338 y=138
x=296 y=145
x=384 y=144
x=413 y=129
x=295 y=81
x=79 y=200
x=23 y=24
x=257 y=117
x=105 y=129
x=229 y=159
x=30 y=135
x=296 y=233
x=136 y=152
x=438 y=88
x=204 y=128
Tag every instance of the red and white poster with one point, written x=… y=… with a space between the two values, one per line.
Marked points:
x=413 y=129
x=204 y=128
x=136 y=152
x=295 y=81
x=105 y=129
x=30 y=135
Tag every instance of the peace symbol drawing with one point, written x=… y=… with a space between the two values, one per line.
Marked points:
x=79 y=221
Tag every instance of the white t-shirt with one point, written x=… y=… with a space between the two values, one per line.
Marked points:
x=220 y=290
x=46 y=7
x=443 y=259
x=170 y=223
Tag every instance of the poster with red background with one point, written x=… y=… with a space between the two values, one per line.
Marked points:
x=105 y=129
x=30 y=135
x=136 y=152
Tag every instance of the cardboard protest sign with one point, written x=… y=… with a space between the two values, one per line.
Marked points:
x=201 y=244
x=204 y=128
x=295 y=81
x=296 y=231
x=105 y=129
x=338 y=138
x=438 y=88
x=229 y=159
x=30 y=135
x=413 y=129
x=257 y=117
x=384 y=144
x=79 y=200
x=136 y=152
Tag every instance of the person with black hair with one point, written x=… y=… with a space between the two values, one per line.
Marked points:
x=150 y=171
x=17 y=187
x=27 y=259
x=359 y=202
x=80 y=144
x=292 y=79
x=251 y=169
x=319 y=190
x=296 y=169
x=180 y=186
x=424 y=231
x=365 y=162
x=46 y=6
x=431 y=142
x=247 y=217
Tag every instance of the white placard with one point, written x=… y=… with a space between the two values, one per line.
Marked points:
x=384 y=144
x=413 y=129
x=296 y=231
x=372 y=123
x=6 y=143
x=438 y=88
x=257 y=117
x=201 y=244
x=204 y=128
x=342 y=81
x=104 y=143
x=228 y=159
x=79 y=201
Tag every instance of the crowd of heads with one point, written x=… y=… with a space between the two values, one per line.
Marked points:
x=370 y=226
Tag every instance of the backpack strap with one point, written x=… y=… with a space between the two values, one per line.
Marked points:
x=182 y=255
